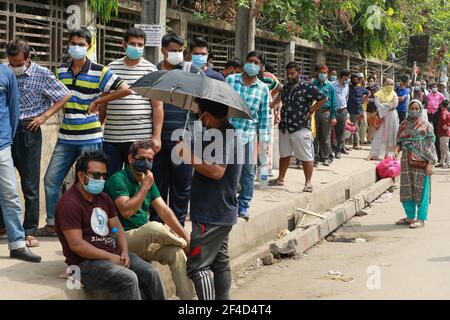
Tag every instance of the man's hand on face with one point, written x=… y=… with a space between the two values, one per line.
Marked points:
x=148 y=179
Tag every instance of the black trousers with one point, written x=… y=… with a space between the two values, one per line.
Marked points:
x=26 y=153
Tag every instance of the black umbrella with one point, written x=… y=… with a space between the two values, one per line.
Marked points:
x=181 y=88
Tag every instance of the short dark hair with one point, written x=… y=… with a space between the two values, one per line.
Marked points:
x=333 y=69
x=198 y=43
x=445 y=103
x=235 y=62
x=83 y=32
x=134 y=32
x=171 y=37
x=270 y=67
x=83 y=161
x=16 y=46
x=257 y=54
x=138 y=145
x=295 y=65
x=404 y=79
x=344 y=73
x=217 y=109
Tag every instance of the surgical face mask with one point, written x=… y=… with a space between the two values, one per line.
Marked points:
x=199 y=59
x=94 y=186
x=143 y=165
x=19 y=70
x=77 y=52
x=414 y=114
x=322 y=76
x=133 y=52
x=251 y=69
x=371 y=84
x=416 y=88
x=397 y=84
x=424 y=86
x=347 y=82
x=174 y=58
x=434 y=89
x=333 y=78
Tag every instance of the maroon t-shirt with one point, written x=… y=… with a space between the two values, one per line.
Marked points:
x=75 y=212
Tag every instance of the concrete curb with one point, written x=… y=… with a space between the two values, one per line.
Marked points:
x=320 y=228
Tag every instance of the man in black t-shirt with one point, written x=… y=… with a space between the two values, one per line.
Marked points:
x=214 y=206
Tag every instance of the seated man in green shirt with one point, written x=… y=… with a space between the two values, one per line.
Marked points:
x=134 y=191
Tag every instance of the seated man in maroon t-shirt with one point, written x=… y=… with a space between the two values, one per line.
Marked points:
x=93 y=239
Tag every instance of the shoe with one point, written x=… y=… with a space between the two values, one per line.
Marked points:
x=344 y=151
x=439 y=165
x=243 y=213
x=337 y=155
x=24 y=254
x=326 y=163
x=47 y=231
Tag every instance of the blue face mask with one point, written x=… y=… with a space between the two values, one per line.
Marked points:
x=133 y=52
x=251 y=69
x=322 y=76
x=347 y=82
x=94 y=186
x=77 y=52
x=333 y=78
x=199 y=59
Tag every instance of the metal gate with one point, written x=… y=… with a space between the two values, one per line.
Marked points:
x=274 y=52
x=333 y=61
x=221 y=43
x=41 y=23
x=306 y=58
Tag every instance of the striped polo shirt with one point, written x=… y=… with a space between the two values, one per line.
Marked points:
x=130 y=118
x=79 y=127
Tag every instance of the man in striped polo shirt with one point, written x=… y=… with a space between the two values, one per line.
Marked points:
x=132 y=118
x=80 y=130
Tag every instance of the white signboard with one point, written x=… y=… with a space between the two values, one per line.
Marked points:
x=154 y=34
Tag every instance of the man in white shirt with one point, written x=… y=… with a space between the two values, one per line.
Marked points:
x=342 y=90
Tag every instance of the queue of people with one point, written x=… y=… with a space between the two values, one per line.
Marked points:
x=130 y=200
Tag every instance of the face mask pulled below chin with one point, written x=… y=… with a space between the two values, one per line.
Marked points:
x=174 y=58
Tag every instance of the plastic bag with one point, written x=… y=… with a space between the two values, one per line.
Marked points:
x=388 y=168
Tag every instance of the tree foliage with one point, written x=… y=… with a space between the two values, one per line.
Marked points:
x=104 y=8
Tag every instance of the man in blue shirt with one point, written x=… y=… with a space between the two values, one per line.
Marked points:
x=326 y=115
x=357 y=93
x=41 y=96
x=402 y=93
x=9 y=198
x=199 y=51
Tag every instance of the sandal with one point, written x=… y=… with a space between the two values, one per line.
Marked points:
x=47 y=231
x=308 y=189
x=417 y=225
x=404 y=222
x=31 y=241
x=275 y=183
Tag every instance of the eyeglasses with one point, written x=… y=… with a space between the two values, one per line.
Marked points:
x=96 y=175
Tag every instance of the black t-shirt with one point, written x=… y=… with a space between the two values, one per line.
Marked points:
x=214 y=201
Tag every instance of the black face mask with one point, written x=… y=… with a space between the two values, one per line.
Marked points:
x=292 y=81
x=143 y=165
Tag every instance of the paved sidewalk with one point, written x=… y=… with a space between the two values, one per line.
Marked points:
x=21 y=280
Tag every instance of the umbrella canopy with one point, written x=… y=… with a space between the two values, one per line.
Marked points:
x=181 y=88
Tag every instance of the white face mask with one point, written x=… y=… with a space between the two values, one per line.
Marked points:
x=19 y=70
x=174 y=58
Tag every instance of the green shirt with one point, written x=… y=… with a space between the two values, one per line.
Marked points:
x=123 y=183
x=327 y=89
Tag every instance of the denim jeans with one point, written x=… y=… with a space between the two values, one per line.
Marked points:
x=117 y=155
x=26 y=153
x=173 y=182
x=9 y=201
x=105 y=275
x=63 y=158
x=247 y=176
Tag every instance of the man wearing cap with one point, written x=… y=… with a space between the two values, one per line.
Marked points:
x=326 y=115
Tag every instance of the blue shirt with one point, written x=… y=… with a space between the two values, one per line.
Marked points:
x=355 y=99
x=402 y=92
x=341 y=94
x=214 y=74
x=9 y=106
x=328 y=90
x=38 y=89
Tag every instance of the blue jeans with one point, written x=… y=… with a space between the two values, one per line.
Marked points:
x=117 y=155
x=247 y=176
x=9 y=201
x=173 y=182
x=63 y=158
